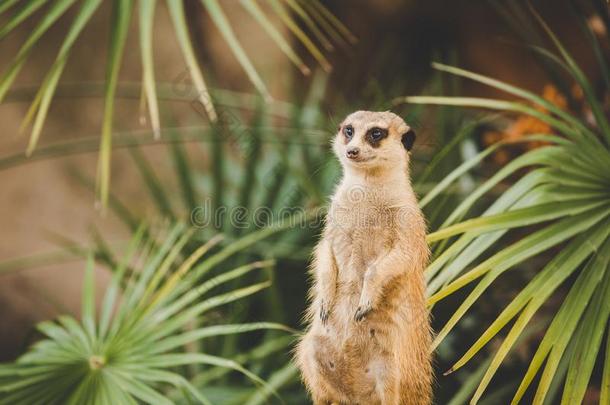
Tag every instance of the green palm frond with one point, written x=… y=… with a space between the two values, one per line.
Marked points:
x=122 y=13
x=565 y=192
x=322 y=23
x=131 y=351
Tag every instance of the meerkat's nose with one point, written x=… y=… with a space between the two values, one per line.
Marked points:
x=353 y=152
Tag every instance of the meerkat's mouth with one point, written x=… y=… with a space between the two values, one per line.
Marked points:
x=361 y=159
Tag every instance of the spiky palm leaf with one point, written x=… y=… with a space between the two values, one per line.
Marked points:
x=131 y=351
x=565 y=192
x=314 y=15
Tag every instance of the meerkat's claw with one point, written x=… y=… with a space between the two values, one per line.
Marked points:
x=361 y=312
x=324 y=313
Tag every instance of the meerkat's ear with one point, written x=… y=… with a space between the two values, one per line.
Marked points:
x=408 y=139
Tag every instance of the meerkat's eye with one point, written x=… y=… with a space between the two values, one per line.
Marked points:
x=376 y=134
x=348 y=131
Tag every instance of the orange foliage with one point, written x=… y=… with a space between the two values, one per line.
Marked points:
x=525 y=125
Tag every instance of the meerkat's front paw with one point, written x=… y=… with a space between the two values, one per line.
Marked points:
x=367 y=303
x=362 y=311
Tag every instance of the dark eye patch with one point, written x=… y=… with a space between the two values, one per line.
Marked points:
x=375 y=135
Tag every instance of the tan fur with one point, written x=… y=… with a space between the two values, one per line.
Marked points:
x=370 y=261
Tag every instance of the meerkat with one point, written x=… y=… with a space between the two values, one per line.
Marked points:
x=368 y=338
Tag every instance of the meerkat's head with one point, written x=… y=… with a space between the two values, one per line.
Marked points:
x=374 y=142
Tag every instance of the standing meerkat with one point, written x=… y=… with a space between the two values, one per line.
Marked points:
x=368 y=340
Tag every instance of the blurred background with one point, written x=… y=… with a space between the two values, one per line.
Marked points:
x=271 y=149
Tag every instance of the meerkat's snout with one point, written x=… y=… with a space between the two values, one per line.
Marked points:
x=353 y=152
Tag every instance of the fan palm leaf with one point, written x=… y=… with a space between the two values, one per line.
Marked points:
x=131 y=351
x=565 y=191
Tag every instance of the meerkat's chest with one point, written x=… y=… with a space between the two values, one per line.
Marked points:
x=359 y=232
x=366 y=213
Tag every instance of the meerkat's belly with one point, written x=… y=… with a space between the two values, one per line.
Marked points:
x=386 y=319
x=355 y=358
